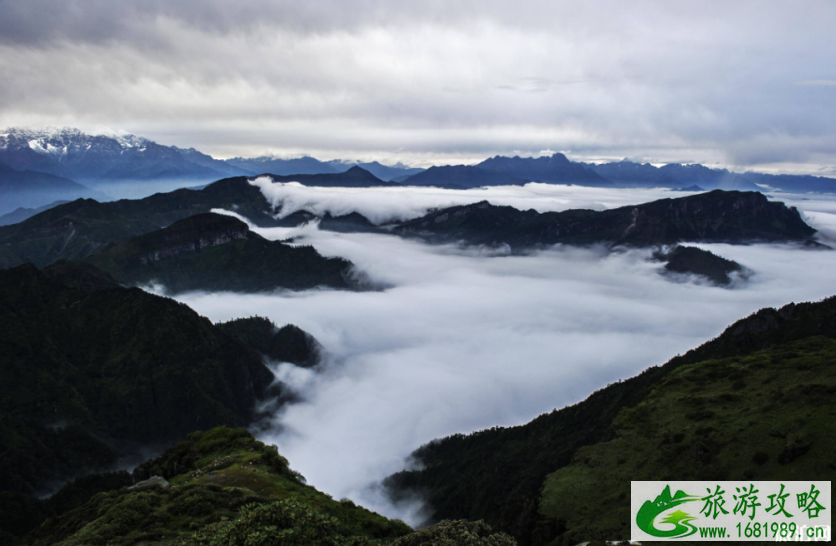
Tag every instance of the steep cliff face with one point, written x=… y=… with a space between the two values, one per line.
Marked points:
x=718 y=216
x=188 y=236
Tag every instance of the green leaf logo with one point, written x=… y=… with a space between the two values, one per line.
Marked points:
x=679 y=519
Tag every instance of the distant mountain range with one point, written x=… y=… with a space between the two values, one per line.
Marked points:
x=355 y=177
x=22 y=213
x=98 y=158
x=556 y=169
x=175 y=239
x=40 y=166
x=80 y=228
x=32 y=189
x=310 y=165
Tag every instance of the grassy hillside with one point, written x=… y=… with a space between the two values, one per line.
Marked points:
x=765 y=416
x=755 y=401
x=221 y=484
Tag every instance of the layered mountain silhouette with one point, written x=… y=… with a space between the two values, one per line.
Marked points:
x=629 y=174
x=32 y=189
x=99 y=159
x=22 y=213
x=80 y=228
x=696 y=177
x=501 y=171
x=716 y=216
x=556 y=169
x=278 y=166
x=389 y=173
x=461 y=176
x=310 y=165
x=355 y=177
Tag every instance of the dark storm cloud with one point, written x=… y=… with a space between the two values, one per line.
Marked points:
x=742 y=84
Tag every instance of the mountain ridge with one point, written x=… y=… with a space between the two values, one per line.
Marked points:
x=716 y=216
x=216 y=252
x=499 y=474
x=554 y=169
x=354 y=177
x=79 y=228
x=32 y=189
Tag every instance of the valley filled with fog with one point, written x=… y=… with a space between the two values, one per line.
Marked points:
x=461 y=339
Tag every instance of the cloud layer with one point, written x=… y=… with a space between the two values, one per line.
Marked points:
x=742 y=84
x=465 y=340
x=382 y=204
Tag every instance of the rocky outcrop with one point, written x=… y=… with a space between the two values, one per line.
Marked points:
x=209 y=230
x=153 y=481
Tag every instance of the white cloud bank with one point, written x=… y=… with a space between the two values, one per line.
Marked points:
x=464 y=341
x=386 y=204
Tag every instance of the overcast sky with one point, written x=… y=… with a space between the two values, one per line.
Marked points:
x=750 y=85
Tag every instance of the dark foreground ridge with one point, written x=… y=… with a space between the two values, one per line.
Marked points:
x=220 y=487
x=755 y=403
x=717 y=217
x=92 y=371
x=217 y=487
x=215 y=252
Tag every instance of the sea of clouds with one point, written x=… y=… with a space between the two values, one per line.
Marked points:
x=465 y=339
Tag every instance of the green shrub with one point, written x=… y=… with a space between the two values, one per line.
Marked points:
x=283 y=523
x=456 y=533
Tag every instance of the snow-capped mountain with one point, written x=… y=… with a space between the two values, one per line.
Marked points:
x=99 y=158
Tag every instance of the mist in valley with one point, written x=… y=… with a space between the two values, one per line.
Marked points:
x=470 y=338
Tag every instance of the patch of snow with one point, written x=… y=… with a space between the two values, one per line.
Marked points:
x=36 y=146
